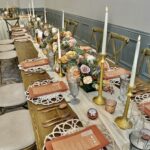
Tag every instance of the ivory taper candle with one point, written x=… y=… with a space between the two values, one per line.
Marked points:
x=59 y=48
x=134 y=66
x=105 y=31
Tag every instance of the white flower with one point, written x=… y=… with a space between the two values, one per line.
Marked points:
x=38 y=19
x=46 y=33
x=87 y=80
x=54 y=30
x=90 y=59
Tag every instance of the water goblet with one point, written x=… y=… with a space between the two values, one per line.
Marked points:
x=124 y=82
x=74 y=89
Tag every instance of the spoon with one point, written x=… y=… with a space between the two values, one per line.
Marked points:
x=56 y=118
x=61 y=106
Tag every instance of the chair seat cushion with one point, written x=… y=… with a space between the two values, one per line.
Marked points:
x=8 y=55
x=12 y=94
x=7 y=47
x=16 y=130
x=7 y=41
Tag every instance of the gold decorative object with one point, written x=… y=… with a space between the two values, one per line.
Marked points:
x=60 y=70
x=123 y=122
x=99 y=100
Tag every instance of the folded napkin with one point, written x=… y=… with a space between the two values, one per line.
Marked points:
x=89 y=138
x=38 y=62
x=115 y=73
x=145 y=108
x=47 y=89
x=86 y=48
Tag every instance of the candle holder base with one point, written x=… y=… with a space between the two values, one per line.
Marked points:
x=99 y=100
x=123 y=123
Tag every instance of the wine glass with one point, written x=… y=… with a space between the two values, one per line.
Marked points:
x=74 y=89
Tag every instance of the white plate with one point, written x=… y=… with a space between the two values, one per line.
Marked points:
x=8 y=47
x=8 y=55
x=8 y=41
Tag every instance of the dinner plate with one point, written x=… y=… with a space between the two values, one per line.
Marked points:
x=8 y=47
x=48 y=99
x=8 y=41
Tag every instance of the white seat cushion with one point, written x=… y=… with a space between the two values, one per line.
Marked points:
x=8 y=41
x=8 y=55
x=7 y=47
x=12 y=94
x=16 y=130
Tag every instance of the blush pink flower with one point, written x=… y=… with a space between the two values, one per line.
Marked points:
x=85 y=69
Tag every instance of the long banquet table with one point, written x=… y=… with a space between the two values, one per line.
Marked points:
x=27 y=50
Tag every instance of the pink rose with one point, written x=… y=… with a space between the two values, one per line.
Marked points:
x=85 y=69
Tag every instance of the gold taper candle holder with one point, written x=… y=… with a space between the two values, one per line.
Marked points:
x=99 y=100
x=123 y=122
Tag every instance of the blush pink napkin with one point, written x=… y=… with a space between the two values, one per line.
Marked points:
x=145 y=108
x=47 y=89
x=90 y=137
x=30 y=64
x=110 y=74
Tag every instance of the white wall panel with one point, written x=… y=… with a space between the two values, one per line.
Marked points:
x=132 y=14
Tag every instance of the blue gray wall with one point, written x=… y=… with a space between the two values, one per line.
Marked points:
x=84 y=34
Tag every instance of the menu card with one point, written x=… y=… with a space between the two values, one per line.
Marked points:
x=89 y=138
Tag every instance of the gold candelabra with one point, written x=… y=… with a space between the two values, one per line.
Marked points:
x=122 y=121
x=99 y=100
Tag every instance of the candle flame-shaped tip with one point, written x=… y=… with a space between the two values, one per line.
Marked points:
x=139 y=38
x=106 y=9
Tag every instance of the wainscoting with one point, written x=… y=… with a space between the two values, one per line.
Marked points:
x=83 y=34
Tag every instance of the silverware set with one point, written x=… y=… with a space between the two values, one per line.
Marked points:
x=61 y=118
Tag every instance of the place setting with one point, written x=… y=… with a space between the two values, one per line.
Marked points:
x=34 y=65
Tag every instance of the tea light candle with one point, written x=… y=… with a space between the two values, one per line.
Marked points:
x=45 y=17
x=58 y=40
x=63 y=20
x=105 y=31
x=133 y=73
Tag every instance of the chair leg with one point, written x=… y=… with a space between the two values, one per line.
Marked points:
x=2 y=110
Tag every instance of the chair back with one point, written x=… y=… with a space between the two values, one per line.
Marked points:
x=10 y=23
x=145 y=58
x=96 y=37
x=71 y=25
x=117 y=42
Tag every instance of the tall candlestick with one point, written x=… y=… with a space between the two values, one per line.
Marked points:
x=32 y=3
x=133 y=73
x=63 y=20
x=45 y=17
x=30 y=9
x=59 y=49
x=105 y=31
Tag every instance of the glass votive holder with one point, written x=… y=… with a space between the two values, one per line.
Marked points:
x=110 y=105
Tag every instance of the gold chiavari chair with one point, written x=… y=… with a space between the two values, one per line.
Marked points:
x=118 y=42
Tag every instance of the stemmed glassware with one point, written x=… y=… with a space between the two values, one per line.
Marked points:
x=74 y=88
